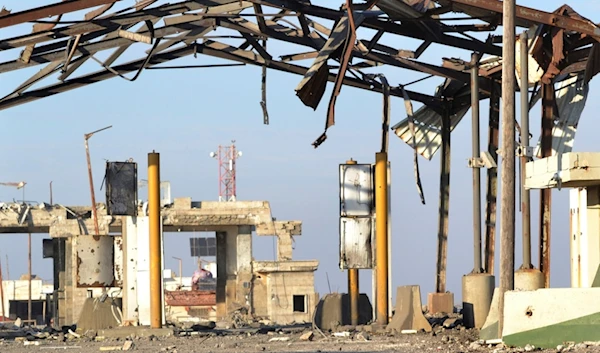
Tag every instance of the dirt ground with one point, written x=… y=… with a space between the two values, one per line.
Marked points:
x=210 y=342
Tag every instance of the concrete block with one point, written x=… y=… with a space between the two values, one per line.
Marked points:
x=182 y=203
x=440 y=303
x=529 y=279
x=333 y=310
x=489 y=330
x=408 y=314
x=477 y=292
x=97 y=315
x=549 y=317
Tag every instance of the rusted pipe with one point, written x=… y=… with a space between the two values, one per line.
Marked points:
x=444 y=207
x=492 y=183
x=89 y=165
x=546 y=194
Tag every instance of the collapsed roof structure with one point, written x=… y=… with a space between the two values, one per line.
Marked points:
x=563 y=50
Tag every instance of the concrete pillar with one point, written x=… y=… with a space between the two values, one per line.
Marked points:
x=478 y=290
x=529 y=279
x=284 y=246
x=59 y=278
x=585 y=237
x=130 y=269
x=244 y=266
x=74 y=297
x=142 y=226
x=221 y=274
x=231 y=268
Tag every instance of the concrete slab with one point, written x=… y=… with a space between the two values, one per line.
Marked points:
x=408 y=313
x=440 y=303
x=576 y=169
x=549 y=317
x=138 y=331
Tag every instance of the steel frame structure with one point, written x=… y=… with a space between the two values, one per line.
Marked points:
x=174 y=30
x=564 y=43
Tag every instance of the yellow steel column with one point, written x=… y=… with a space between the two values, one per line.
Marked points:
x=381 y=236
x=155 y=240
x=353 y=288
x=353 y=293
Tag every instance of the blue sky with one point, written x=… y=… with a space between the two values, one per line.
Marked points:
x=185 y=115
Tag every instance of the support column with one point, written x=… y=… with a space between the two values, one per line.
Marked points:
x=441 y=301
x=74 y=296
x=477 y=286
x=231 y=267
x=156 y=294
x=244 y=266
x=527 y=277
x=507 y=178
x=492 y=182
x=381 y=237
x=353 y=286
x=221 y=275
x=130 y=269
x=546 y=194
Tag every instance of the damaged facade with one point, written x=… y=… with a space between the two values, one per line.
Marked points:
x=281 y=291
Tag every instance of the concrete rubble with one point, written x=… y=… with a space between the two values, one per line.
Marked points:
x=447 y=335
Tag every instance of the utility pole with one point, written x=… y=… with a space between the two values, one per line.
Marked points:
x=507 y=198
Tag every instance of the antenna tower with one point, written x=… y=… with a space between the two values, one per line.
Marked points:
x=227 y=156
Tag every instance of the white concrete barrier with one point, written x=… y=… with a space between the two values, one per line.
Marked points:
x=551 y=316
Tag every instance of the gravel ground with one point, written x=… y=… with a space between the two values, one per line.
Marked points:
x=203 y=342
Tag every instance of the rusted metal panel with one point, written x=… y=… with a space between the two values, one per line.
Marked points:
x=538 y=16
x=571 y=97
x=356 y=249
x=311 y=88
x=191 y=298
x=49 y=10
x=356 y=190
x=428 y=125
x=95 y=258
x=121 y=188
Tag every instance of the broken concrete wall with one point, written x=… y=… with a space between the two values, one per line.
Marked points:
x=260 y=298
x=292 y=296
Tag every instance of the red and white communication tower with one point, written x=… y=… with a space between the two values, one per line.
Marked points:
x=227 y=156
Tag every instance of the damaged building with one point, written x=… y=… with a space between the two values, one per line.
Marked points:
x=113 y=268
